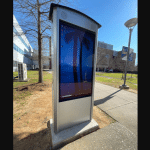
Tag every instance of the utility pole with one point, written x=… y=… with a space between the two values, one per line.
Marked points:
x=39 y=44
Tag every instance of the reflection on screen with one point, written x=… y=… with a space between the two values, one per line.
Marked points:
x=76 y=49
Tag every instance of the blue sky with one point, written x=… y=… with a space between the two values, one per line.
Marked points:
x=111 y=14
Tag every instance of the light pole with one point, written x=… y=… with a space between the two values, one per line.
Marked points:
x=130 y=24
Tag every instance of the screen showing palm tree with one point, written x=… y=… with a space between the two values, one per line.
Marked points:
x=76 y=51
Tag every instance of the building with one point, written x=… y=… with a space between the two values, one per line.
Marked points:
x=105 y=45
x=110 y=59
x=22 y=50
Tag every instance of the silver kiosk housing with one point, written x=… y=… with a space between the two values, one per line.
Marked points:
x=72 y=111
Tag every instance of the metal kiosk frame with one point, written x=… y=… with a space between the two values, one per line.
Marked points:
x=71 y=111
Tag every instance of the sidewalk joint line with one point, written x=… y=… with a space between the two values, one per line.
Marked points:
x=119 y=106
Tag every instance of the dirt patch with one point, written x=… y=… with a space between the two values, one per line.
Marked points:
x=101 y=117
x=30 y=126
x=33 y=87
x=132 y=90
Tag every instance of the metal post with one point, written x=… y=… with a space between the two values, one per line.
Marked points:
x=130 y=31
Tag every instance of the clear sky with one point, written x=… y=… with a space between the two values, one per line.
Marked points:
x=111 y=14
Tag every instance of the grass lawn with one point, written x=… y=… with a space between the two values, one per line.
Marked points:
x=102 y=77
x=115 y=75
x=33 y=76
x=116 y=79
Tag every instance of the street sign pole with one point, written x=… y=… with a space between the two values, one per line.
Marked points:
x=130 y=31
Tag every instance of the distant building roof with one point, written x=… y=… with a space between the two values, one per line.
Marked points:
x=105 y=45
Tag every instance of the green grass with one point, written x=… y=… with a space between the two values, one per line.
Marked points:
x=103 y=79
x=116 y=82
x=115 y=75
x=33 y=76
x=20 y=95
x=133 y=80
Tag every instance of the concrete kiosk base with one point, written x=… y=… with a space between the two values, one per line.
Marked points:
x=68 y=135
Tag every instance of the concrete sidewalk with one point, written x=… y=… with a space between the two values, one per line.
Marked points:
x=119 y=104
x=122 y=106
x=112 y=137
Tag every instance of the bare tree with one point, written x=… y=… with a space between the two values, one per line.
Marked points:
x=34 y=20
x=45 y=55
x=46 y=51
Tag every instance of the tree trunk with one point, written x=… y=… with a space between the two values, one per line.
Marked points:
x=39 y=45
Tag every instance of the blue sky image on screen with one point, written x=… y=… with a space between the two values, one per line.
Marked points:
x=75 y=62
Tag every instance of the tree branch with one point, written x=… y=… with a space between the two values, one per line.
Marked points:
x=44 y=12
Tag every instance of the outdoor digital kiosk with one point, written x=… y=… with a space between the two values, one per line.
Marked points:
x=74 y=49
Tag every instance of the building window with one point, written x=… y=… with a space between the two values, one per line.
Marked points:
x=19 y=36
x=18 y=49
x=15 y=63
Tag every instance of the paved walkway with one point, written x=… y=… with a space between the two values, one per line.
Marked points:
x=112 y=137
x=119 y=104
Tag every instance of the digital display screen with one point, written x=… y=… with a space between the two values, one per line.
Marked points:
x=76 y=54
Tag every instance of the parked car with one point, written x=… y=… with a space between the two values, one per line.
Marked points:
x=111 y=70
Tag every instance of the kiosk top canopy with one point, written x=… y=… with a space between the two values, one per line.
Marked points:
x=57 y=5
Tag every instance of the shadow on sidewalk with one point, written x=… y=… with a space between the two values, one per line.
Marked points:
x=103 y=100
